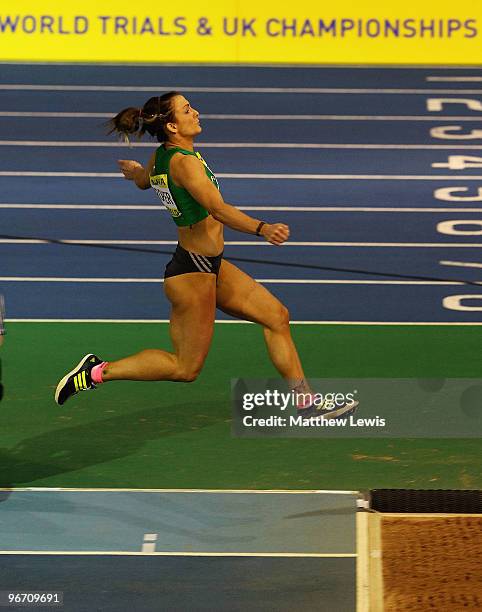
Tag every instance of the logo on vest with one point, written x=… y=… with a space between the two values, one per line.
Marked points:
x=160 y=185
x=160 y=180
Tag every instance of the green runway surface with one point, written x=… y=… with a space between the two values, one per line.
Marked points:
x=166 y=435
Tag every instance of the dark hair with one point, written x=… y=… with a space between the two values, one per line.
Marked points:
x=151 y=118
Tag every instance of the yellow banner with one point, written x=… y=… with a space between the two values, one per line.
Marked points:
x=308 y=31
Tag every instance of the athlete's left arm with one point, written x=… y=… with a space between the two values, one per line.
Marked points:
x=134 y=171
x=189 y=173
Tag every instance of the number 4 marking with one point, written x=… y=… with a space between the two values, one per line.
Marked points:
x=460 y=162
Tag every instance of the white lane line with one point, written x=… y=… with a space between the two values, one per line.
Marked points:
x=47 y=241
x=266 y=281
x=134 y=207
x=369 y=209
x=451 y=79
x=208 y=491
x=461 y=264
x=356 y=177
x=261 y=90
x=405 y=323
x=230 y=117
x=55 y=114
x=310 y=145
x=76 y=279
x=65 y=174
x=236 y=145
x=437 y=245
x=176 y=554
x=340 y=117
x=238 y=322
x=304 y=177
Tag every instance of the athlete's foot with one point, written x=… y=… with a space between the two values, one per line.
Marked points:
x=335 y=413
x=78 y=379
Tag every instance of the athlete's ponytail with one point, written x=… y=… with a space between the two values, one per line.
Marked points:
x=151 y=118
x=128 y=121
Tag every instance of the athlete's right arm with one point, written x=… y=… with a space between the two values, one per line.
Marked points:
x=188 y=172
x=134 y=171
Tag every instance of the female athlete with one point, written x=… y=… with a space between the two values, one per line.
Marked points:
x=197 y=279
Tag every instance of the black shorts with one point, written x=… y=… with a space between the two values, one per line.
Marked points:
x=183 y=262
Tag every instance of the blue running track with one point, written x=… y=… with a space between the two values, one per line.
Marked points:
x=345 y=156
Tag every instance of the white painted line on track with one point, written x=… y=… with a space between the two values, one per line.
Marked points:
x=55 y=114
x=237 y=145
x=221 y=117
x=90 y=242
x=311 y=145
x=369 y=209
x=438 y=245
x=176 y=554
x=65 y=174
x=304 y=177
x=76 y=279
x=258 y=90
x=340 y=117
x=356 y=177
x=82 y=143
x=452 y=79
x=341 y=209
x=461 y=264
x=266 y=281
x=239 y=322
x=208 y=491
x=129 y=207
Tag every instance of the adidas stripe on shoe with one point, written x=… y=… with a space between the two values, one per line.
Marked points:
x=78 y=379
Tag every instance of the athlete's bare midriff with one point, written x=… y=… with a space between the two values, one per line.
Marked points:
x=205 y=237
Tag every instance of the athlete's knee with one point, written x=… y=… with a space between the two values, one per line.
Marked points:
x=188 y=377
x=189 y=372
x=279 y=317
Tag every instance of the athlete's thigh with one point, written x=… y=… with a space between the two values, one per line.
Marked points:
x=193 y=308
x=241 y=296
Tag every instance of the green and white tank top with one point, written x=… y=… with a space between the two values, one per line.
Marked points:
x=185 y=210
